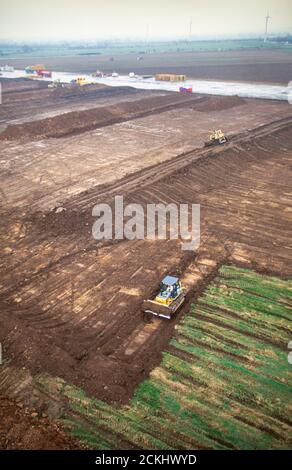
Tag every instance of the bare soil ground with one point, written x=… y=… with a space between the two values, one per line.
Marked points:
x=72 y=307
x=244 y=65
x=23 y=429
x=93 y=113
x=154 y=128
x=26 y=100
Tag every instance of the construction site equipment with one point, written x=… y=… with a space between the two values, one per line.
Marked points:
x=56 y=84
x=97 y=74
x=182 y=89
x=44 y=73
x=170 y=77
x=79 y=81
x=34 y=68
x=169 y=298
x=7 y=68
x=216 y=138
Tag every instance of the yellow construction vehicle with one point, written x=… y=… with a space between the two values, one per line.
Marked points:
x=34 y=68
x=216 y=138
x=79 y=81
x=169 y=298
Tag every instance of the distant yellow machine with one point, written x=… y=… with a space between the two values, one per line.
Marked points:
x=79 y=81
x=34 y=68
x=216 y=138
x=166 y=302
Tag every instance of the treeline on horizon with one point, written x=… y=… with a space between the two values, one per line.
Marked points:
x=10 y=48
x=27 y=46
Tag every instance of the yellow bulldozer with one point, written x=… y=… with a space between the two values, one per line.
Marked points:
x=80 y=81
x=167 y=300
x=216 y=138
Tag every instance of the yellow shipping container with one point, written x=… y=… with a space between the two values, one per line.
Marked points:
x=37 y=67
x=170 y=77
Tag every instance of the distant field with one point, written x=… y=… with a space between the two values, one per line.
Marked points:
x=224 y=382
x=241 y=64
x=106 y=48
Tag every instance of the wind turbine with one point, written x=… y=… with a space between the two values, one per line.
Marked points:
x=190 y=29
x=268 y=17
x=147 y=32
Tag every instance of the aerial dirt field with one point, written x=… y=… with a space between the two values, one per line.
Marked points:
x=151 y=128
x=251 y=65
x=70 y=306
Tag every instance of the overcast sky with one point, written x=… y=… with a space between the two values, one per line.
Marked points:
x=94 y=19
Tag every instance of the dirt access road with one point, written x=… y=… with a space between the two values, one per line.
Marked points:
x=71 y=307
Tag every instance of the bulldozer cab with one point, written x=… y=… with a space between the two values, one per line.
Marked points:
x=166 y=302
x=218 y=136
x=169 y=289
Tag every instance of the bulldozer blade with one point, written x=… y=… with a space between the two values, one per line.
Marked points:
x=164 y=311
x=161 y=315
x=213 y=143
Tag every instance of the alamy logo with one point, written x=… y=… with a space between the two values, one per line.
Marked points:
x=159 y=221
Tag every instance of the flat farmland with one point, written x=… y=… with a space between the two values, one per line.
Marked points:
x=254 y=65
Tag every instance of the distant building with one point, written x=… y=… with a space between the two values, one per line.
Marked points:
x=7 y=68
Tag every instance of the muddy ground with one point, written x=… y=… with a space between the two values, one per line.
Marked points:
x=25 y=100
x=23 y=429
x=68 y=111
x=70 y=306
x=242 y=65
x=43 y=172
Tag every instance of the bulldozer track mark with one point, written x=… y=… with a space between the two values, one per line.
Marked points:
x=160 y=171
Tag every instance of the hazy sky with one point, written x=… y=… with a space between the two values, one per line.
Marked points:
x=93 y=19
